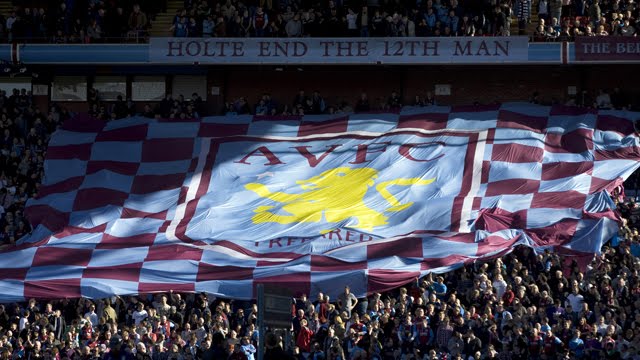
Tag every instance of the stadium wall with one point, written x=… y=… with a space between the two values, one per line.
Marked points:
x=479 y=83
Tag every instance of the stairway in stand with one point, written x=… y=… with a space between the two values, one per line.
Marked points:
x=162 y=23
x=534 y=19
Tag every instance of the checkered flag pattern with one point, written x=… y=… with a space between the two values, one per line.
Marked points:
x=118 y=211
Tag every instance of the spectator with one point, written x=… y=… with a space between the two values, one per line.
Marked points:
x=362 y=105
x=595 y=12
x=11 y=19
x=180 y=28
x=94 y=32
x=260 y=22
x=394 y=102
x=602 y=31
x=192 y=28
x=543 y=10
x=352 y=23
x=429 y=99
x=627 y=29
x=247 y=24
x=555 y=9
x=294 y=27
x=221 y=27
x=138 y=21
x=603 y=100
x=347 y=301
x=207 y=26
x=540 y=34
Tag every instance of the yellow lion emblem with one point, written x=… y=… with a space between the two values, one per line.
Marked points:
x=338 y=194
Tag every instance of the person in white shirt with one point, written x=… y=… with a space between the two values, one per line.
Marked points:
x=92 y=316
x=140 y=314
x=162 y=308
x=352 y=22
x=603 y=100
x=24 y=320
x=575 y=299
x=500 y=285
x=9 y=24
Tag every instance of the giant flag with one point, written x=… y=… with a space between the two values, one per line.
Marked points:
x=221 y=204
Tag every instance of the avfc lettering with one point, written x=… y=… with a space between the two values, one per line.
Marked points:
x=361 y=152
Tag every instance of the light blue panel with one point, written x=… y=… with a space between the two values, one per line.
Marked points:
x=94 y=217
x=134 y=226
x=504 y=171
x=104 y=288
x=236 y=289
x=108 y=179
x=77 y=241
x=169 y=271
x=65 y=137
x=54 y=272
x=115 y=257
x=164 y=167
x=538 y=218
x=158 y=130
x=153 y=202
x=59 y=170
x=125 y=151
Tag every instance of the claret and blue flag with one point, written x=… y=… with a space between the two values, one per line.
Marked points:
x=221 y=204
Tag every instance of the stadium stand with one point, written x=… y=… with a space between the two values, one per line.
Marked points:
x=118 y=21
x=521 y=306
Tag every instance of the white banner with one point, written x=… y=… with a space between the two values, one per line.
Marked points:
x=278 y=51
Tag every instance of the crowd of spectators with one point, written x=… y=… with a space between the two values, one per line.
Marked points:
x=558 y=20
x=99 y=21
x=337 y=19
x=24 y=131
x=608 y=18
x=305 y=103
x=168 y=108
x=521 y=306
x=78 y=21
